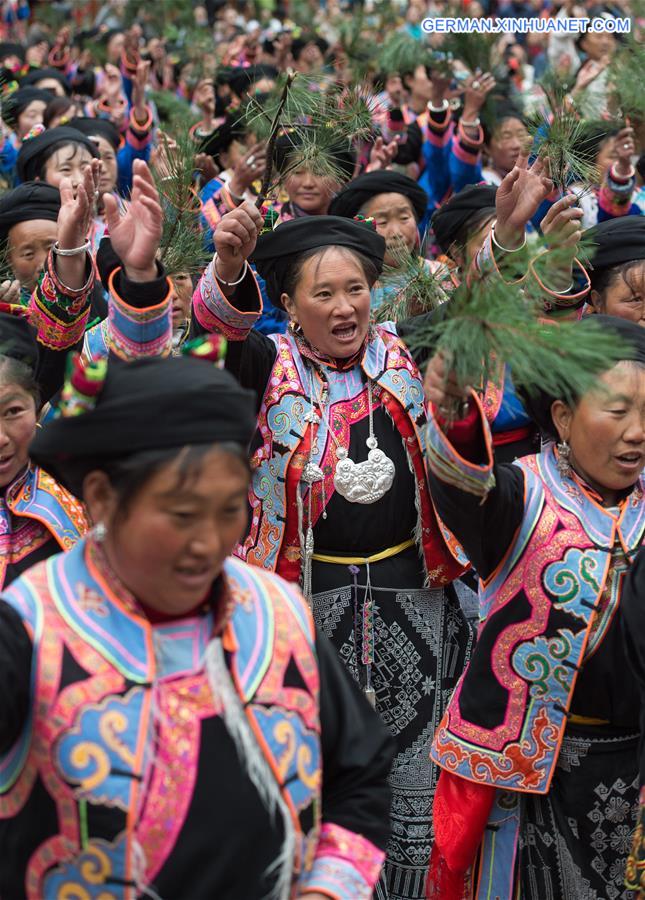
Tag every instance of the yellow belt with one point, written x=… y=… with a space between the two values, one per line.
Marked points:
x=586 y=720
x=363 y=560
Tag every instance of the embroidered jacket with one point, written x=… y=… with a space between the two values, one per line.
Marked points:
x=41 y=509
x=285 y=435
x=545 y=609
x=117 y=734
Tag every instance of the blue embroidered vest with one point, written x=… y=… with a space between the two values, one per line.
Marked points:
x=89 y=743
x=286 y=436
x=538 y=624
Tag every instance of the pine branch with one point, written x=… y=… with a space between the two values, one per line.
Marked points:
x=275 y=125
x=559 y=134
x=489 y=322
x=409 y=288
x=182 y=244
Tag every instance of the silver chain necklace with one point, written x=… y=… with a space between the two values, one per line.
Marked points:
x=364 y=482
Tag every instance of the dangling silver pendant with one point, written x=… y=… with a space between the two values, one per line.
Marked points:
x=364 y=482
x=312 y=472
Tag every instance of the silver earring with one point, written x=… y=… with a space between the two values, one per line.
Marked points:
x=99 y=532
x=563 y=463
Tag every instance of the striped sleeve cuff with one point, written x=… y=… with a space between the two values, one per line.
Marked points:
x=136 y=333
x=346 y=867
x=214 y=312
x=449 y=466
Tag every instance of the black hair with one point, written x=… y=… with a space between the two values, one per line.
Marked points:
x=46 y=155
x=491 y=126
x=602 y=279
x=128 y=475
x=13 y=371
x=472 y=225
x=294 y=271
x=56 y=107
x=640 y=166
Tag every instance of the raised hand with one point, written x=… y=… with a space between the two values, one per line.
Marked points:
x=382 y=154
x=518 y=199
x=77 y=209
x=249 y=168
x=206 y=166
x=442 y=389
x=477 y=88
x=139 y=84
x=136 y=232
x=625 y=150
x=562 y=225
x=74 y=224
x=562 y=231
x=235 y=238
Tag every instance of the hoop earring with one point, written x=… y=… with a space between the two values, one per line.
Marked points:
x=563 y=464
x=294 y=327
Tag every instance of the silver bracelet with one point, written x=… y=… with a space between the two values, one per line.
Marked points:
x=444 y=106
x=230 y=283
x=80 y=290
x=474 y=124
x=505 y=249
x=75 y=252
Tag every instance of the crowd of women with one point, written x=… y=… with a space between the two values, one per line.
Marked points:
x=288 y=610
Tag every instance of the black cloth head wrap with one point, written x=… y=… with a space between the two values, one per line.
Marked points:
x=31 y=200
x=288 y=142
x=241 y=79
x=31 y=150
x=99 y=127
x=538 y=405
x=36 y=75
x=18 y=340
x=17 y=102
x=277 y=250
x=8 y=49
x=616 y=241
x=148 y=404
x=451 y=216
x=353 y=197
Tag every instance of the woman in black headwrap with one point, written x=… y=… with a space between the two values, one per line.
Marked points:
x=38 y=517
x=617 y=272
x=24 y=109
x=538 y=747
x=55 y=154
x=339 y=496
x=397 y=204
x=28 y=216
x=159 y=698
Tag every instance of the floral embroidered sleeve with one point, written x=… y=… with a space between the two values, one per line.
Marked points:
x=215 y=313
x=58 y=313
x=357 y=754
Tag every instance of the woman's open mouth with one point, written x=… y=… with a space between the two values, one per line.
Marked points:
x=345 y=333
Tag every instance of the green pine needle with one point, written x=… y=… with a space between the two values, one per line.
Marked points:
x=182 y=243
x=402 y=53
x=409 y=287
x=559 y=134
x=474 y=50
x=490 y=322
x=626 y=92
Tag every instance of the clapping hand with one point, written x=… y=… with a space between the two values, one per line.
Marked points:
x=136 y=232
x=518 y=199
